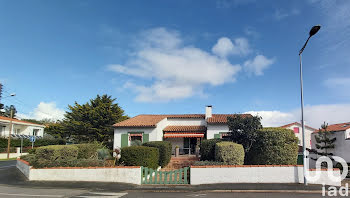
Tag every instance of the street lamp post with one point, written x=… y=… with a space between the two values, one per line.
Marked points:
x=312 y=32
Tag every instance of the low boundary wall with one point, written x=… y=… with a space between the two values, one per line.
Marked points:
x=257 y=174
x=129 y=174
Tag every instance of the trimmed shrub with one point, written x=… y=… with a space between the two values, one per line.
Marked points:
x=164 y=151
x=88 y=151
x=39 y=142
x=56 y=154
x=208 y=163
x=207 y=149
x=229 y=152
x=140 y=156
x=274 y=146
x=29 y=158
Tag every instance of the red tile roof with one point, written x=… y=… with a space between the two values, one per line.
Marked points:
x=296 y=123
x=141 y=121
x=145 y=120
x=185 y=129
x=337 y=127
x=222 y=118
x=18 y=121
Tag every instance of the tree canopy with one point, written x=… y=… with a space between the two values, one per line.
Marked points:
x=91 y=121
x=243 y=129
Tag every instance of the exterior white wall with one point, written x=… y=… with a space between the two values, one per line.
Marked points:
x=175 y=142
x=215 y=129
x=118 y=131
x=130 y=175
x=342 y=145
x=186 y=122
x=23 y=129
x=287 y=174
x=299 y=135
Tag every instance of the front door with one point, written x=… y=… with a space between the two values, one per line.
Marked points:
x=193 y=144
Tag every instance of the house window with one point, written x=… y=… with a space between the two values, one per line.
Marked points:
x=296 y=129
x=225 y=135
x=35 y=132
x=135 y=137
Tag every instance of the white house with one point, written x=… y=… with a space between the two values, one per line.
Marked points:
x=342 y=144
x=296 y=127
x=185 y=131
x=20 y=128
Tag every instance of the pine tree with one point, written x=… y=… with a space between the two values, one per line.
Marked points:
x=324 y=141
x=92 y=121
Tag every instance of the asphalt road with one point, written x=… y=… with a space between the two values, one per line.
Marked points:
x=14 y=184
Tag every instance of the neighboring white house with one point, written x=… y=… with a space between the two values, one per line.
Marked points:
x=185 y=131
x=296 y=127
x=342 y=144
x=20 y=128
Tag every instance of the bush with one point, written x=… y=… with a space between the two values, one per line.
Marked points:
x=56 y=154
x=140 y=156
x=208 y=163
x=229 y=152
x=39 y=142
x=29 y=158
x=274 y=146
x=30 y=151
x=136 y=143
x=164 y=151
x=103 y=154
x=207 y=149
x=88 y=151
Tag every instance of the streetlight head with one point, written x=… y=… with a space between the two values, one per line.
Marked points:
x=314 y=30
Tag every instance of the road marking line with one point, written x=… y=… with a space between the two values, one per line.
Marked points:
x=1 y=167
x=27 y=195
x=98 y=195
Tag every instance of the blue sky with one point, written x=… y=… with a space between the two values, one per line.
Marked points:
x=177 y=56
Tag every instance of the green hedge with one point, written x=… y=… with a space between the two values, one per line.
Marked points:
x=208 y=163
x=274 y=146
x=88 y=151
x=230 y=153
x=55 y=155
x=26 y=142
x=207 y=149
x=140 y=156
x=164 y=151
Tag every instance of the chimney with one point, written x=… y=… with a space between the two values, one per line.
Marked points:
x=208 y=111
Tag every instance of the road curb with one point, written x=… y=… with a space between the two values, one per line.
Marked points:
x=232 y=191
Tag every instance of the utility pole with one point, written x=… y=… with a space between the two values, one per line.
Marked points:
x=9 y=138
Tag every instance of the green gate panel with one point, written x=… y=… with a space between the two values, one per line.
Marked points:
x=124 y=140
x=216 y=136
x=145 y=138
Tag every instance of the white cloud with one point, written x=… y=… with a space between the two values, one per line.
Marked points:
x=258 y=65
x=45 y=110
x=274 y=118
x=282 y=14
x=224 y=47
x=315 y=115
x=338 y=82
x=176 y=70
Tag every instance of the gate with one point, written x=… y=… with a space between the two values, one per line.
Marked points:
x=150 y=176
